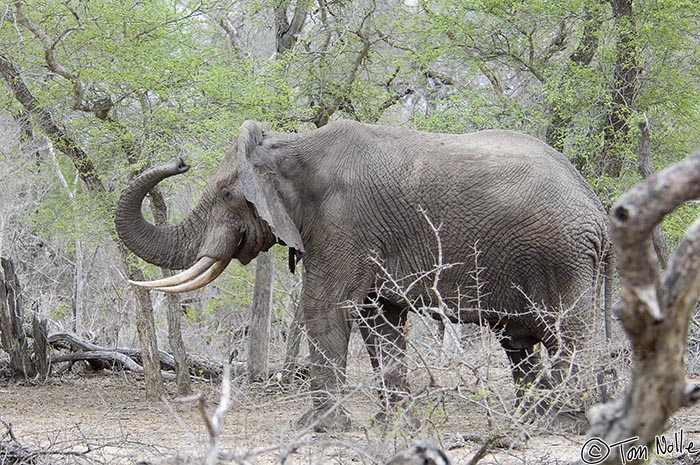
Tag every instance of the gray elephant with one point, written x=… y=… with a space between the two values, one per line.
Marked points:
x=372 y=210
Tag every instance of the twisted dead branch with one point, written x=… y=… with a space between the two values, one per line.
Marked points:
x=655 y=312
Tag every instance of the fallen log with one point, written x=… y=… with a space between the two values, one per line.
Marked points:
x=72 y=342
x=132 y=359
x=129 y=358
x=110 y=359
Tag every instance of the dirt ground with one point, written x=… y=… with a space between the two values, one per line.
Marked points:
x=96 y=418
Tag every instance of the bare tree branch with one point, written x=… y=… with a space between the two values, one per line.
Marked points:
x=286 y=30
x=325 y=111
x=655 y=313
x=493 y=79
x=49 y=48
x=214 y=424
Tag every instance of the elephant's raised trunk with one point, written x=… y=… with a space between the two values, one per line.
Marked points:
x=173 y=247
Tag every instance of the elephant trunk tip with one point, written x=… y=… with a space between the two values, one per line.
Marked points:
x=181 y=166
x=177 y=166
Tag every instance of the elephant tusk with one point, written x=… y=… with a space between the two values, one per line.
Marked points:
x=198 y=281
x=189 y=274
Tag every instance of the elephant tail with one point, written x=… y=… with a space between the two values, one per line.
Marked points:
x=608 y=269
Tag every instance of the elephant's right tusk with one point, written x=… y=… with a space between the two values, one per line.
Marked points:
x=200 y=281
x=185 y=276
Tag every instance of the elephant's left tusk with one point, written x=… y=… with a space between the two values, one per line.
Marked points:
x=202 y=265
x=200 y=281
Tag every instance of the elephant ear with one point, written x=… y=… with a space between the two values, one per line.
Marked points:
x=259 y=185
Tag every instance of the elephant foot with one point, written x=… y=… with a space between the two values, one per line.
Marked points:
x=325 y=420
x=554 y=416
x=399 y=412
x=570 y=422
x=399 y=419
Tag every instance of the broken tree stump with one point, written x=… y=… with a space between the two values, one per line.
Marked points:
x=13 y=338
x=42 y=357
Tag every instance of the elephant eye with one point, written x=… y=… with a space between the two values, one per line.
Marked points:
x=226 y=195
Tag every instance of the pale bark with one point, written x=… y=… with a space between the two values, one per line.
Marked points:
x=42 y=358
x=215 y=423
x=295 y=332
x=286 y=30
x=177 y=345
x=260 y=319
x=646 y=169
x=655 y=311
x=79 y=278
x=146 y=329
x=202 y=367
x=173 y=315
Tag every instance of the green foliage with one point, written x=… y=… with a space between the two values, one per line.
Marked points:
x=181 y=85
x=676 y=224
x=238 y=282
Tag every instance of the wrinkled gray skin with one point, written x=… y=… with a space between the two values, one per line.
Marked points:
x=349 y=196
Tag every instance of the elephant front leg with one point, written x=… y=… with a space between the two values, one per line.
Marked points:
x=383 y=330
x=328 y=335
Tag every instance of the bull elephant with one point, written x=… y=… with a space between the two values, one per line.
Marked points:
x=367 y=207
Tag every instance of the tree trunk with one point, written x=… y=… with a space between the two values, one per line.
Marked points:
x=79 y=279
x=83 y=163
x=286 y=31
x=295 y=332
x=177 y=345
x=624 y=91
x=646 y=169
x=260 y=319
x=14 y=340
x=146 y=329
x=42 y=357
x=182 y=370
x=78 y=308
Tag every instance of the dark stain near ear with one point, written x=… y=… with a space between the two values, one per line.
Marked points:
x=293 y=258
x=621 y=214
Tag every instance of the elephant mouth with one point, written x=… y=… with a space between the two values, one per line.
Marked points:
x=204 y=271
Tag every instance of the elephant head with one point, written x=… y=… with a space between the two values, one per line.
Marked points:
x=240 y=214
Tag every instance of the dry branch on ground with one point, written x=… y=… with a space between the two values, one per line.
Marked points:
x=128 y=358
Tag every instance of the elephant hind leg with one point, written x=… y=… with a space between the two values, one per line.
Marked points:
x=562 y=350
x=526 y=368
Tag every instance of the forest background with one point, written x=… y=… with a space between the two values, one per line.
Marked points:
x=93 y=92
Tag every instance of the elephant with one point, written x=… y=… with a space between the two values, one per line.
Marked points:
x=376 y=213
